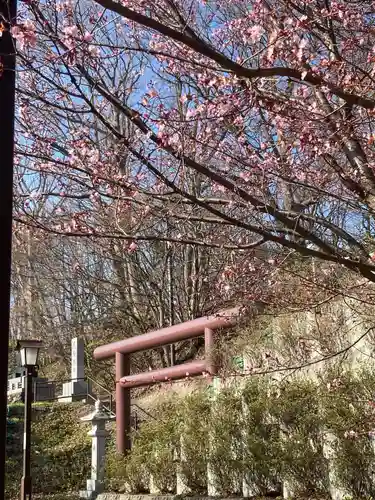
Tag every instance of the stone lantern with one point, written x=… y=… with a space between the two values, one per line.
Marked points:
x=98 y=434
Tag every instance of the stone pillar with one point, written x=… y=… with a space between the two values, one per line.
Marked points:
x=212 y=487
x=288 y=489
x=181 y=484
x=154 y=489
x=248 y=489
x=98 y=434
x=337 y=492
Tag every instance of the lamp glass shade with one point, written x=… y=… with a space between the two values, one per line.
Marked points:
x=29 y=352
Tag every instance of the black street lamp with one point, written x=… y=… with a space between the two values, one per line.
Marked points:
x=29 y=351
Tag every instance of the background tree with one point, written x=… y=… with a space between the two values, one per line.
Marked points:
x=229 y=142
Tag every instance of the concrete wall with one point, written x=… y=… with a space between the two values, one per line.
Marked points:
x=340 y=331
x=288 y=339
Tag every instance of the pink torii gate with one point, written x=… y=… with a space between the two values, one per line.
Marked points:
x=122 y=349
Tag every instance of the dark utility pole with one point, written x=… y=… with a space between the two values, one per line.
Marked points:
x=26 y=475
x=7 y=93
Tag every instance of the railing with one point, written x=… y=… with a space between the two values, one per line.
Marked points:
x=62 y=389
x=142 y=410
x=54 y=391
x=135 y=419
x=92 y=396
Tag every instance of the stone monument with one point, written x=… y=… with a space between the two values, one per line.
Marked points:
x=76 y=389
x=78 y=359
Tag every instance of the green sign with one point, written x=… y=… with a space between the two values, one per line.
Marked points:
x=238 y=363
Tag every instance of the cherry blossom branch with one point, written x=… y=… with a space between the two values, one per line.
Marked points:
x=199 y=46
x=36 y=224
x=268 y=209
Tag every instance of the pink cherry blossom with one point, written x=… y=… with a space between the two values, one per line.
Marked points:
x=88 y=37
x=256 y=32
x=94 y=51
x=132 y=247
x=24 y=34
x=71 y=31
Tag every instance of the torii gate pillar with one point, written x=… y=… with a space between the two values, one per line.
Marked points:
x=123 y=427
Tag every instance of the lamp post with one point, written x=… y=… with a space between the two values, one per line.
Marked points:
x=29 y=351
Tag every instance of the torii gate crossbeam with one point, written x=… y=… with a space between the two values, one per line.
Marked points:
x=122 y=349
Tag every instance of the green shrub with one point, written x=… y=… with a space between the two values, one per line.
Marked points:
x=261 y=437
x=298 y=412
x=224 y=436
x=194 y=418
x=152 y=455
x=262 y=430
x=349 y=415
x=60 y=451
